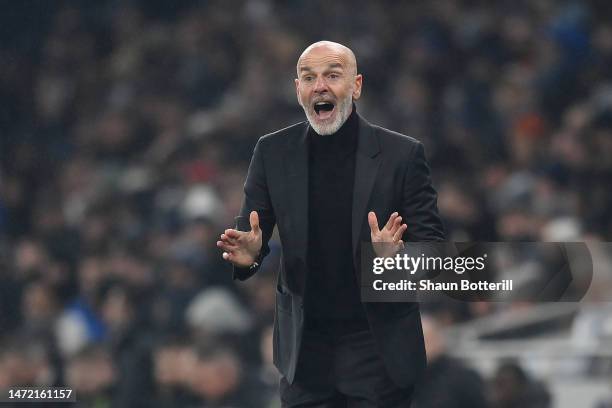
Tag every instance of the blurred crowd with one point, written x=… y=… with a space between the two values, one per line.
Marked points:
x=126 y=128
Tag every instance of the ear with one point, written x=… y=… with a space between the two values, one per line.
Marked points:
x=297 y=90
x=357 y=86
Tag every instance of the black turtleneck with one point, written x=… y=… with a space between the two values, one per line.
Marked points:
x=332 y=291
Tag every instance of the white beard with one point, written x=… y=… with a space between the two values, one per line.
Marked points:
x=344 y=109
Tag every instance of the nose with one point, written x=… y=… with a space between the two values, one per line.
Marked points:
x=320 y=85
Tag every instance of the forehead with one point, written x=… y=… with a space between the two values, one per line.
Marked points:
x=322 y=58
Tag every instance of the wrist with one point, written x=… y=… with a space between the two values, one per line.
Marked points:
x=256 y=261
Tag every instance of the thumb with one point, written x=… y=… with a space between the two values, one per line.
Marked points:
x=373 y=221
x=254 y=220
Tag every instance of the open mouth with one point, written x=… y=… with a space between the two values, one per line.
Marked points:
x=324 y=110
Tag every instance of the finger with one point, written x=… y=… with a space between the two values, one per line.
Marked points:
x=396 y=224
x=226 y=247
x=227 y=256
x=373 y=221
x=229 y=240
x=391 y=220
x=398 y=234
x=401 y=244
x=234 y=234
x=254 y=220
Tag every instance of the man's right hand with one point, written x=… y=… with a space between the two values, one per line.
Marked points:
x=242 y=248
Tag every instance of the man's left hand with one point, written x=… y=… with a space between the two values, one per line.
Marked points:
x=390 y=236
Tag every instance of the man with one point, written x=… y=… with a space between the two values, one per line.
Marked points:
x=324 y=183
x=447 y=383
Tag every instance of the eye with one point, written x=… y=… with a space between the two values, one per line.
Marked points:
x=307 y=78
x=334 y=76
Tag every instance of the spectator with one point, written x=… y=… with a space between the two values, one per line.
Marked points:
x=219 y=379
x=512 y=388
x=92 y=375
x=448 y=383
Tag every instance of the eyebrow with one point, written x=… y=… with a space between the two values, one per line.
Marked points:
x=330 y=66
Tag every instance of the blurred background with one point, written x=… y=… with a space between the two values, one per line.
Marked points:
x=126 y=128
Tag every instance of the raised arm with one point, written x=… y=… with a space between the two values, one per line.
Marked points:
x=247 y=244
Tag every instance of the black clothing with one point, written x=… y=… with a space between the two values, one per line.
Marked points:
x=391 y=174
x=348 y=378
x=331 y=283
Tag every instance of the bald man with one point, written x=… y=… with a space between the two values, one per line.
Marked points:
x=325 y=183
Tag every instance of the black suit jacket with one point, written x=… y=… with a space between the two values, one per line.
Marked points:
x=391 y=174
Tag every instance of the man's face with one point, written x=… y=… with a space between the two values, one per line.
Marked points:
x=326 y=86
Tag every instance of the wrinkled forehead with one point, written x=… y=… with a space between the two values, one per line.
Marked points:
x=324 y=57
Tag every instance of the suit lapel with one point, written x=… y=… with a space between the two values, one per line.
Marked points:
x=367 y=163
x=297 y=189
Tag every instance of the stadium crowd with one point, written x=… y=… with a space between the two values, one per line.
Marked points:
x=125 y=134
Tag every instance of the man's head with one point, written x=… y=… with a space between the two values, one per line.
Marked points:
x=327 y=83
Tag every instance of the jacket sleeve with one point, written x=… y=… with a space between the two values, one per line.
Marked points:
x=256 y=198
x=420 y=214
x=419 y=202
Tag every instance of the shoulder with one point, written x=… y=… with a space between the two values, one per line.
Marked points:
x=392 y=141
x=283 y=135
x=392 y=137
